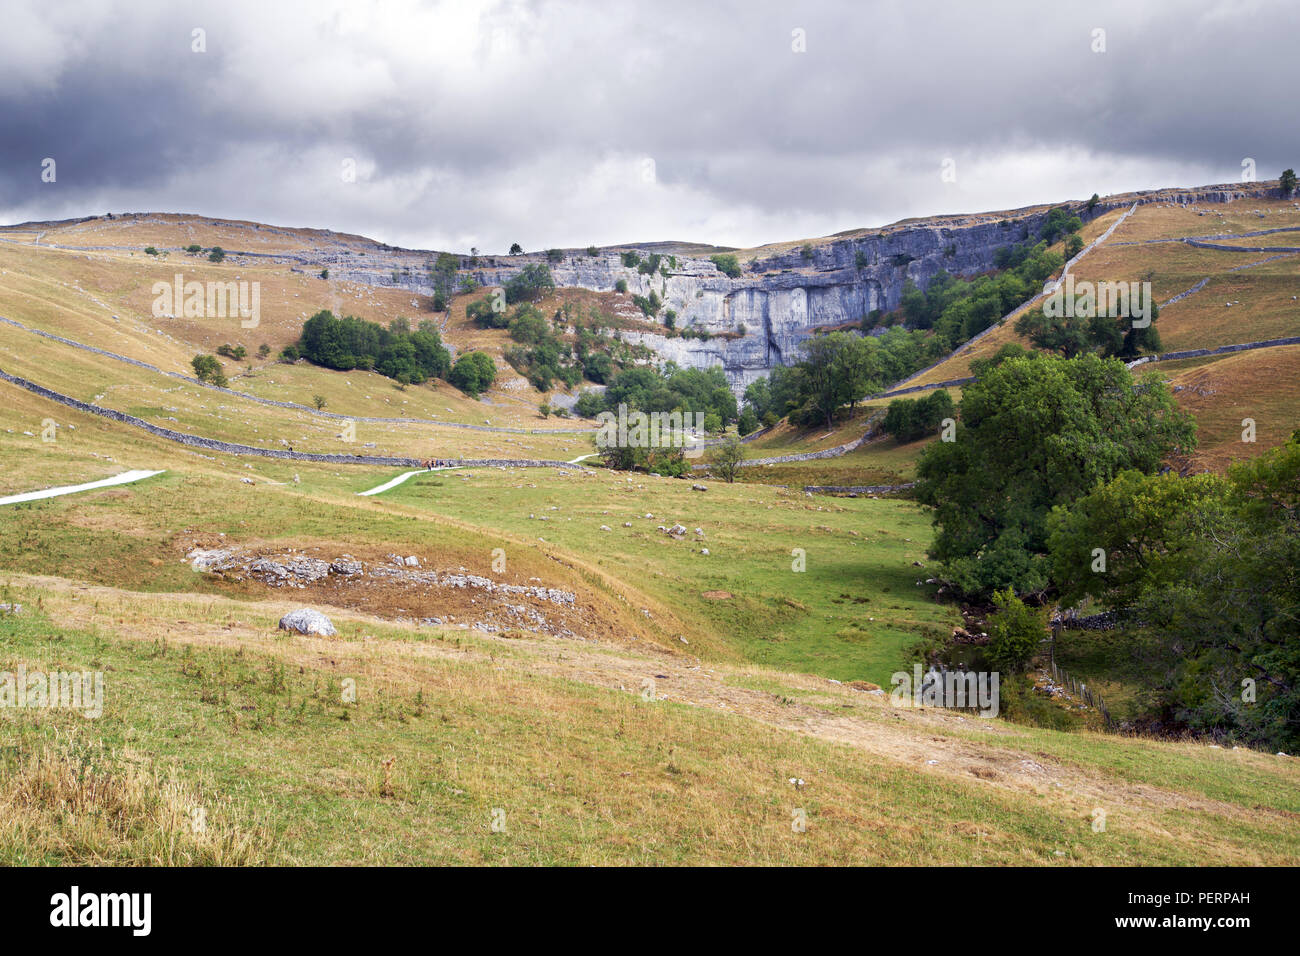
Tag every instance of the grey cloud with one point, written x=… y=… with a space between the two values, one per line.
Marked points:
x=526 y=121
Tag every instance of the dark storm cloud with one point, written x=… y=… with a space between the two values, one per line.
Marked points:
x=566 y=123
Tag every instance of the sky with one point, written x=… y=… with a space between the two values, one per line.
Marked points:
x=481 y=123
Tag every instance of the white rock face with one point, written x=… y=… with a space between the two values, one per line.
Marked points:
x=307 y=621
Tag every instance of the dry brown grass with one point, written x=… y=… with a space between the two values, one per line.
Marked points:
x=74 y=802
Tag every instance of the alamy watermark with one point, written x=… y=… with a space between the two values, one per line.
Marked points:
x=653 y=430
x=1085 y=299
x=960 y=690
x=81 y=691
x=209 y=300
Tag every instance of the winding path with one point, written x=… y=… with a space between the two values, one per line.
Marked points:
x=126 y=478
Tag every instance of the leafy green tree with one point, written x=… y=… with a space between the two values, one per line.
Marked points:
x=516 y=249
x=1210 y=569
x=1034 y=433
x=725 y=458
x=1287 y=182
x=532 y=282
x=1015 y=632
x=747 y=423
x=473 y=373
x=217 y=254
x=208 y=369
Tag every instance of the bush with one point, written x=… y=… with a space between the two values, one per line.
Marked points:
x=263 y=350
x=194 y=249
x=1015 y=632
x=554 y=255
x=621 y=286
x=319 y=401
x=516 y=249
x=217 y=254
x=236 y=352
x=593 y=251
x=150 y=251
x=727 y=264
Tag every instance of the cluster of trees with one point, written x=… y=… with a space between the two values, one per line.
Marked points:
x=667 y=389
x=911 y=418
x=345 y=343
x=837 y=370
x=1210 y=567
x=958 y=309
x=1036 y=431
x=542 y=355
x=1071 y=335
x=1054 y=489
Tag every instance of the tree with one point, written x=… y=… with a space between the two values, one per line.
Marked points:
x=532 y=282
x=516 y=249
x=1210 y=569
x=208 y=369
x=1015 y=631
x=442 y=273
x=1033 y=433
x=725 y=458
x=319 y=401
x=1111 y=336
x=747 y=423
x=825 y=385
x=1287 y=182
x=217 y=254
x=473 y=373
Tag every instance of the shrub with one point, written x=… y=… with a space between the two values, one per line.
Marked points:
x=516 y=249
x=621 y=286
x=319 y=401
x=554 y=255
x=727 y=264
x=150 y=251
x=217 y=254
x=194 y=249
x=593 y=251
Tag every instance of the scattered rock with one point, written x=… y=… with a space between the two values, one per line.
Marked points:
x=307 y=621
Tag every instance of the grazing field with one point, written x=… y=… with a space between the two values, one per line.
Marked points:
x=472 y=749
